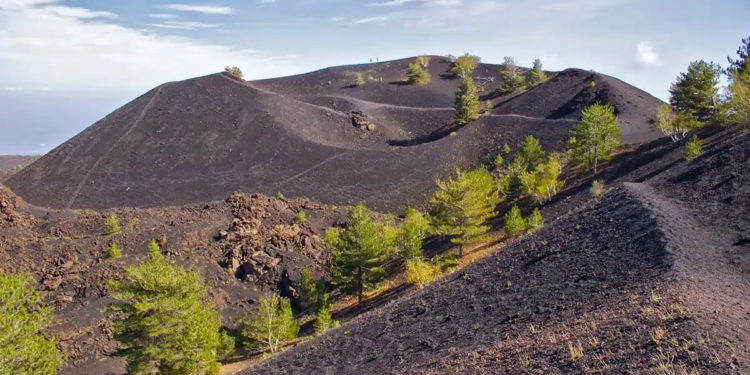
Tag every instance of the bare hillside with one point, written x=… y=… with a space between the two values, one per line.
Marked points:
x=308 y=135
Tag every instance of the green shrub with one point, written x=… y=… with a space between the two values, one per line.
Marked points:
x=693 y=148
x=420 y=272
x=359 y=79
x=112 y=224
x=535 y=221
x=24 y=347
x=417 y=74
x=409 y=238
x=592 y=84
x=114 y=251
x=513 y=222
x=302 y=217
x=331 y=236
x=597 y=188
x=279 y=195
x=488 y=107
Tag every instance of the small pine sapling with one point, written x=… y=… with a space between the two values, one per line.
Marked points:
x=597 y=188
x=535 y=221
x=513 y=222
x=693 y=148
x=114 y=251
x=112 y=224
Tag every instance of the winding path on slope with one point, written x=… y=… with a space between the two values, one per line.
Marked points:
x=719 y=293
x=366 y=104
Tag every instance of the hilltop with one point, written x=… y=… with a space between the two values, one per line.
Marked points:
x=205 y=138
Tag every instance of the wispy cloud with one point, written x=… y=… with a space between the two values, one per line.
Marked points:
x=337 y=19
x=187 y=25
x=164 y=16
x=79 y=12
x=646 y=55
x=265 y=2
x=205 y=9
x=395 y=3
x=37 y=42
x=372 y=19
x=12 y=88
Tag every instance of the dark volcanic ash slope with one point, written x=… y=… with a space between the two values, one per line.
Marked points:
x=205 y=138
x=650 y=278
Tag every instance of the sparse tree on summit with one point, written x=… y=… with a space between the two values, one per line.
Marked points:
x=417 y=74
x=359 y=79
x=463 y=205
x=424 y=61
x=510 y=77
x=595 y=137
x=465 y=65
x=235 y=71
x=467 y=101
x=535 y=75
x=167 y=323
x=24 y=349
x=693 y=94
x=359 y=254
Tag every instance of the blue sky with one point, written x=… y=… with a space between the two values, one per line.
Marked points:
x=66 y=63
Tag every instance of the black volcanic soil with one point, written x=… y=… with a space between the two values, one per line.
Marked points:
x=203 y=139
x=9 y=164
x=653 y=275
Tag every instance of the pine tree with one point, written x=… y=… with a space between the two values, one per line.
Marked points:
x=417 y=74
x=413 y=230
x=359 y=79
x=513 y=222
x=737 y=105
x=535 y=221
x=114 y=251
x=273 y=325
x=323 y=319
x=740 y=65
x=359 y=254
x=112 y=224
x=595 y=137
x=531 y=153
x=510 y=77
x=463 y=205
x=153 y=249
x=694 y=92
x=24 y=349
x=167 y=324
x=308 y=295
x=467 y=101
x=535 y=75
x=464 y=66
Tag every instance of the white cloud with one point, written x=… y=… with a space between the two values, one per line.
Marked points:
x=266 y=1
x=205 y=9
x=337 y=19
x=41 y=47
x=187 y=25
x=645 y=54
x=12 y=88
x=394 y=3
x=79 y=12
x=163 y=16
x=372 y=19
